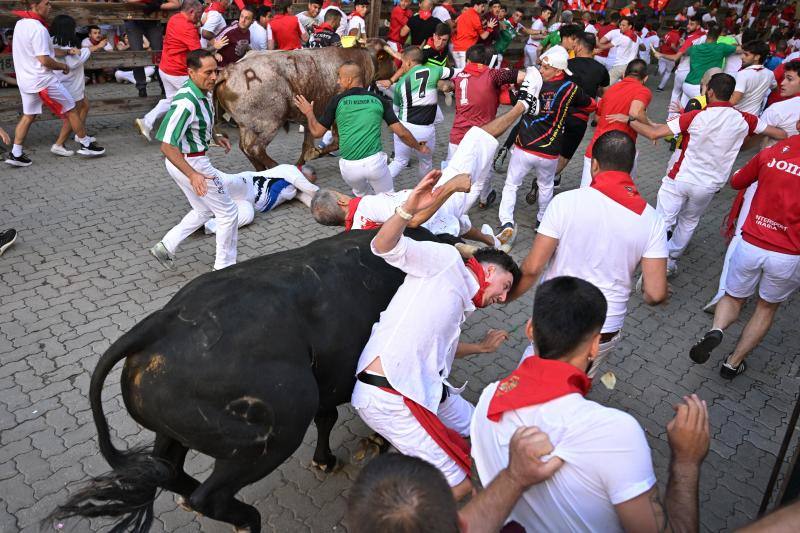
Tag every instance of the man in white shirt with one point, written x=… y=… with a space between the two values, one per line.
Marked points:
x=310 y=18
x=624 y=42
x=213 y=21
x=626 y=232
x=34 y=63
x=539 y=32
x=356 y=22
x=754 y=81
x=260 y=32
x=712 y=139
x=441 y=12
x=607 y=482
x=784 y=115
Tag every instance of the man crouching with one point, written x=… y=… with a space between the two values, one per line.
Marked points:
x=402 y=391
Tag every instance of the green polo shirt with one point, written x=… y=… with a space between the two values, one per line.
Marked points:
x=705 y=56
x=358 y=114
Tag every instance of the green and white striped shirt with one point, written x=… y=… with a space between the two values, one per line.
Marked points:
x=416 y=96
x=189 y=122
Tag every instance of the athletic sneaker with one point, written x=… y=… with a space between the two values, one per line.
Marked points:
x=500 y=160
x=490 y=198
x=60 y=149
x=143 y=129
x=507 y=234
x=91 y=139
x=162 y=255
x=18 y=161
x=533 y=194
x=728 y=371
x=92 y=150
x=557 y=181
x=701 y=351
x=7 y=238
x=672 y=270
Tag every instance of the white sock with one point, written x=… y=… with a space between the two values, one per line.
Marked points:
x=84 y=141
x=16 y=151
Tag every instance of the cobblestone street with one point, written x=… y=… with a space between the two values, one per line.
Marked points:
x=79 y=276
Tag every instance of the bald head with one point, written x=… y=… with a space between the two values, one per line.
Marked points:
x=350 y=75
x=426 y=5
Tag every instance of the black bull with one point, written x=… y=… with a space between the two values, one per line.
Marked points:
x=236 y=366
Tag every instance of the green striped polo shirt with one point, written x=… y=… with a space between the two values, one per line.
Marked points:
x=416 y=95
x=189 y=122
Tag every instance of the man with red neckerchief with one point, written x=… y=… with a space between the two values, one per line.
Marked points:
x=421 y=26
x=469 y=30
x=626 y=232
x=213 y=21
x=398 y=18
x=767 y=256
x=606 y=482
x=287 y=31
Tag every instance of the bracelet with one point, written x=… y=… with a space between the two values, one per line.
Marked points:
x=402 y=213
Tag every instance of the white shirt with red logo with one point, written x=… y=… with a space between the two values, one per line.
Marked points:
x=608 y=255
x=754 y=82
x=711 y=142
x=627 y=48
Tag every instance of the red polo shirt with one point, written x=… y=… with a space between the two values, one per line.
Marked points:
x=286 y=32
x=468 y=30
x=398 y=19
x=180 y=38
x=617 y=99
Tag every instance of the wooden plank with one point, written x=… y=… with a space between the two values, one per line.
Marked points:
x=100 y=59
x=85 y=12
x=11 y=107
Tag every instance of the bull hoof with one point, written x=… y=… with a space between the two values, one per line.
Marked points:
x=328 y=466
x=241 y=529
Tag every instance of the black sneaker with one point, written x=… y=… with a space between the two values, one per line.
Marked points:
x=701 y=351
x=728 y=371
x=143 y=92
x=18 y=161
x=490 y=198
x=92 y=150
x=533 y=194
x=500 y=159
x=557 y=181
x=7 y=238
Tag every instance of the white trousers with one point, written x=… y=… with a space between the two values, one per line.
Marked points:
x=403 y=152
x=460 y=59
x=531 y=54
x=371 y=171
x=586 y=174
x=681 y=205
x=677 y=87
x=689 y=91
x=216 y=202
x=519 y=165
x=665 y=67
x=127 y=75
x=171 y=86
x=472 y=156
x=387 y=414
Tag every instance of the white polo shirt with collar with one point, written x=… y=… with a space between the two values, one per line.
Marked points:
x=754 y=82
x=714 y=136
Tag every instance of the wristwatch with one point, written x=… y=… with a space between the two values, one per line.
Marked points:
x=631 y=119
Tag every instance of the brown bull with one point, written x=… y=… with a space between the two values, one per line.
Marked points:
x=258 y=91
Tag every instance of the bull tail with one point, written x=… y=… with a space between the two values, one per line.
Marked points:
x=130 y=489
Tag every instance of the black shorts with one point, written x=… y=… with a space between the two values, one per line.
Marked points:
x=574 y=128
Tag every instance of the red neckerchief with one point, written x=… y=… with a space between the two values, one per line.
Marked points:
x=450 y=442
x=619 y=187
x=450 y=9
x=558 y=77
x=424 y=14
x=630 y=34
x=352 y=207
x=215 y=6
x=30 y=15
x=477 y=269
x=433 y=46
x=537 y=381
x=322 y=27
x=475 y=68
x=354 y=15
x=719 y=104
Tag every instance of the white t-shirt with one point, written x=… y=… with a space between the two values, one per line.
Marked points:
x=75 y=81
x=342 y=29
x=259 y=36
x=708 y=17
x=608 y=255
x=537 y=25
x=356 y=22
x=754 y=82
x=214 y=23
x=441 y=13
x=378 y=208
x=31 y=39
x=87 y=43
x=308 y=22
x=783 y=115
x=590 y=29
x=607 y=461
x=626 y=49
x=650 y=42
x=417 y=335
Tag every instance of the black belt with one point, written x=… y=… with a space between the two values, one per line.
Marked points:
x=381 y=381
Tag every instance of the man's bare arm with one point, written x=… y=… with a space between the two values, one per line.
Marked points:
x=421 y=196
x=532 y=267
x=408 y=138
x=460 y=183
x=655 y=288
x=490 y=343
x=52 y=64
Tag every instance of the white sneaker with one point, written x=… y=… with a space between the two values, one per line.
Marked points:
x=672 y=270
x=91 y=139
x=59 y=149
x=143 y=129
x=507 y=234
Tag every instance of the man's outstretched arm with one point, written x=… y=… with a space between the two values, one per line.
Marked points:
x=460 y=183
